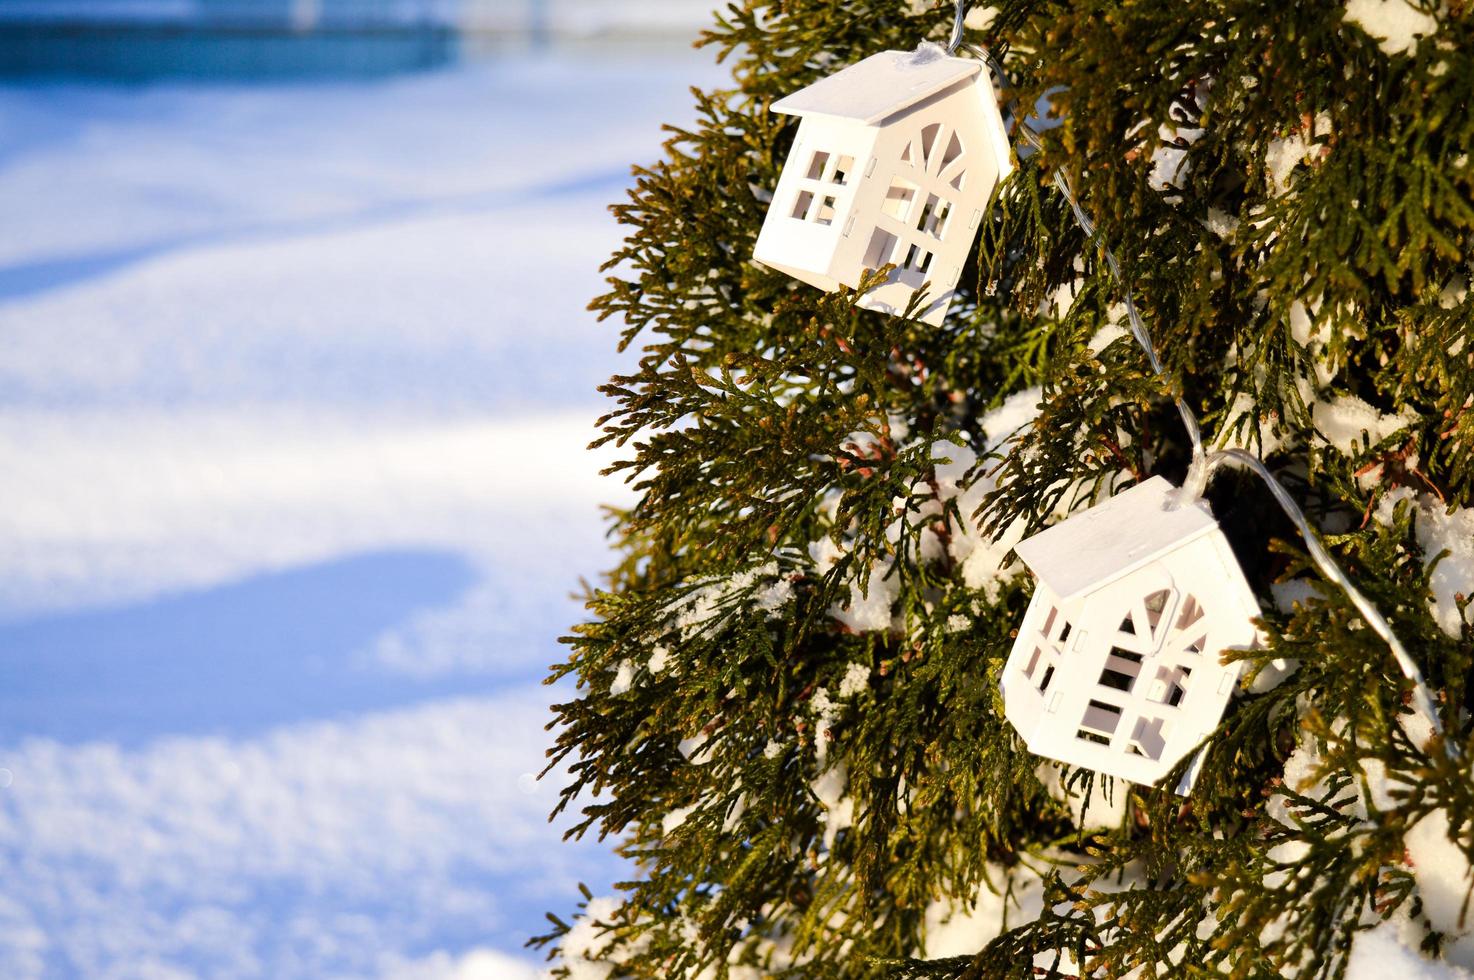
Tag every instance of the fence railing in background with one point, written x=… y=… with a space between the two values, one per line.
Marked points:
x=525 y=17
x=295 y=38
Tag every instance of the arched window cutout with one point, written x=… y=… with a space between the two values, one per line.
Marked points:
x=1191 y=612
x=1155 y=605
x=929 y=136
x=954 y=150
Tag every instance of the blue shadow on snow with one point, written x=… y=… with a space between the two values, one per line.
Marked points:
x=233 y=660
x=28 y=279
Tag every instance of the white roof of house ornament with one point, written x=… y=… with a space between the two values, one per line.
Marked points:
x=1116 y=667
x=882 y=85
x=1086 y=551
x=895 y=159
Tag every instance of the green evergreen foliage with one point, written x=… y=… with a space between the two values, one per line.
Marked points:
x=844 y=775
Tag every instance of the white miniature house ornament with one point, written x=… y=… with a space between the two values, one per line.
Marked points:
x=895 y=158
x=1116 y=666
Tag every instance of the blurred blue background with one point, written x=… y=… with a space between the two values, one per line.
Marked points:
x=296 y=380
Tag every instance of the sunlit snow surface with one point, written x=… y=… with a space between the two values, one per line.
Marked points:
x=295 y=385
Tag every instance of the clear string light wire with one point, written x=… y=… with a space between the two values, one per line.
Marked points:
x=1203 y=463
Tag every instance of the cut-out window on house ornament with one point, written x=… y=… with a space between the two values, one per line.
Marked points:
x=914 y=219
x=817 y=195
x=1050 y=643
x=1117 y=666
x=1169 y=637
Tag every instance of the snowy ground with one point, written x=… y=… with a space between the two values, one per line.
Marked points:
x=294 y=390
